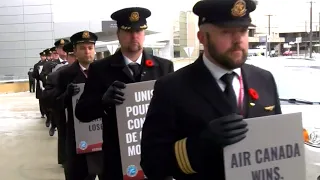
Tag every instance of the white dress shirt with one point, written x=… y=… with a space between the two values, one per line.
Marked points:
x=83 y=69
x=217 y=72
x=61 y=60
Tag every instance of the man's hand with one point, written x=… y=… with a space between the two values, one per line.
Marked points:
x=226 y=130
x=72 y=89
x=114 y=95
x=52 y=65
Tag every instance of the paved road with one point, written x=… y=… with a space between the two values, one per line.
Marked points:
x=27 y=151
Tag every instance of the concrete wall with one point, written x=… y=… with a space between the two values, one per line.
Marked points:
x=14 y=87
x=26 y=28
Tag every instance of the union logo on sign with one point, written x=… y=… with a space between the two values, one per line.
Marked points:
x=132 y=171
x=83 y=145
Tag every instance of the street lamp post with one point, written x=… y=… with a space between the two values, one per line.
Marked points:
x=311 y=33
x=319 y=34
x=269 y=33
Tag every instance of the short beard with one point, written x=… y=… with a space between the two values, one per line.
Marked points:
x=134 y=49
x=222 y=58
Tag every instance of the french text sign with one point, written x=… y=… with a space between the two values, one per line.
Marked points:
x=88 y=135
x=273 y=149
x=130 y=117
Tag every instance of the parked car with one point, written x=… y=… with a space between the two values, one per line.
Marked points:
x=287 y=53
x=298 y=86
x=299 y=91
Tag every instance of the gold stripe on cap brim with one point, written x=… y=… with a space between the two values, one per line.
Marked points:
x=127 y=28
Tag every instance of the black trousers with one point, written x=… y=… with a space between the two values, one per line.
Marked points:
x=54 y=118
x=60 y=120
x=76 y=166
x=42 y=107
x=31 y=86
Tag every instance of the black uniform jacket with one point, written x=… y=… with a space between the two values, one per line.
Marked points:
x=71 y=74
x=47 y=69
x=31 y=79
x=183 y=103
x=101 y=75
x=36 y=75
x=51 y=92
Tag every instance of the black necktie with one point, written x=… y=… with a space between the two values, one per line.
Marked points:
x=135 y=68
x=229 y=91
x=85 y=72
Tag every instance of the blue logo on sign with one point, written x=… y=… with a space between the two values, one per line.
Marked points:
x=132 y=171
x=83 y=145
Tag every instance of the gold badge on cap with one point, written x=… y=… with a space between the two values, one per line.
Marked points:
x=239 y=9
x=61 y=41
x=85 y=35
x=134 y=17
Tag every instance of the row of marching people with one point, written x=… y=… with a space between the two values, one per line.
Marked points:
x=194 y=112
x=104 y=80
x=63 y=67
x=56 y=74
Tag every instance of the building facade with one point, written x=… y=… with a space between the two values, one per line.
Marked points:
x=26 y=28
x=185 y=35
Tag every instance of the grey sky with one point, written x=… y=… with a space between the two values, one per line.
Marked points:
x=288 y=14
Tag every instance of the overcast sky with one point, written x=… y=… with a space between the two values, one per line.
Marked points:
x=287 y=13
x=102 y=9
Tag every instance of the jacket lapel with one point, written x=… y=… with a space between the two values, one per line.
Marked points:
x=150 y=68
x=118 y=62
x=80 y=76
x=248 y=83
x=206 y=86
x=74 y=71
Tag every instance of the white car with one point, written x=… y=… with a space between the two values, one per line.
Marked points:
x=299 y=90
x=298 y=81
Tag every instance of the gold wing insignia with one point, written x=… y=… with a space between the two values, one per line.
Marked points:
x=269 y=108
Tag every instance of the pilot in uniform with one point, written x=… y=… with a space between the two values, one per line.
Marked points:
x=198 y=110
x=131 y=64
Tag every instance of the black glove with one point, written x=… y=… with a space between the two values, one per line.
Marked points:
x=226 y=130
x=114 y=95
x=52 y=64
x=72 y=89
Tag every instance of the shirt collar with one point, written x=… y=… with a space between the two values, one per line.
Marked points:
x=128 y=61
x=216 y=71
x=83 y=68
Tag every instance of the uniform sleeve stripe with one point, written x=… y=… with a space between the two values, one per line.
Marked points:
x=177 y=153
x=186 y=158
x=185 y=167
x=182 y=156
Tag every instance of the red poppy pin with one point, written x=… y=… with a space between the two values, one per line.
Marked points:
x=149 y=63
x=253 y=94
